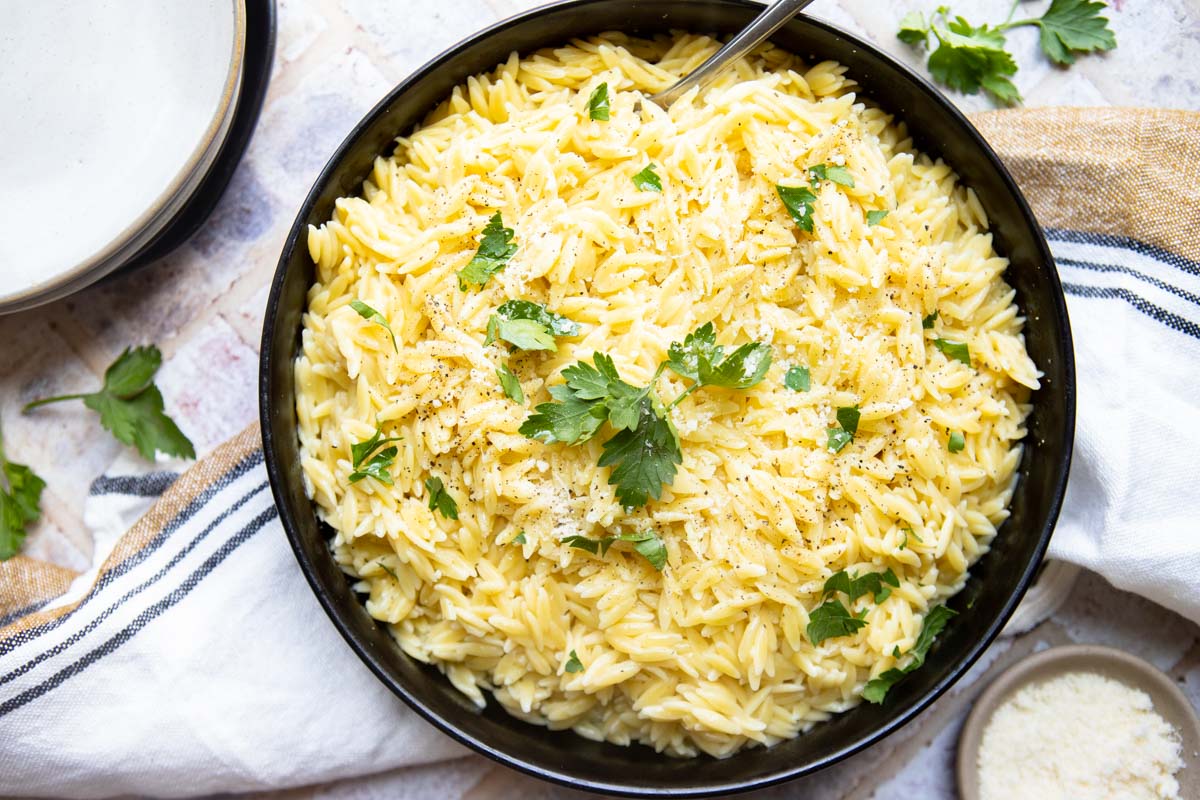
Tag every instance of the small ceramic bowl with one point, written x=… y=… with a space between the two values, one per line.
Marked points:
x=1170 y=703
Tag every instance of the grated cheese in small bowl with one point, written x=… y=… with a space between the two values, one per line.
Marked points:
x=1082 y=736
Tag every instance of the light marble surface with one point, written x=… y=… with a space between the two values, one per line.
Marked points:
x=203 y=306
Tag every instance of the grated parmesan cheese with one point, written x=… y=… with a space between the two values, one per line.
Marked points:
x=1080 y=736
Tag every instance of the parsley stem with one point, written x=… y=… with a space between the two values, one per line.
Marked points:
x=1011 y=11
x=47 y=400
x=683 y=394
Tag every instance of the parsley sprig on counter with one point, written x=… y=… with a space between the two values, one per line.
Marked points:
x=131 y=406
x=877 y=688
x=495 y=249
x=20 y=503
x=644 y=452
x=972 y=57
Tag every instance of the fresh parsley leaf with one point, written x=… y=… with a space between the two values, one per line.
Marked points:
x=519 y=538
x=556 y=324
x=700 y=358
x=571 y=420
x=741 y=369
x=643 y=459
x=848 y=418
x=583 y=543
x=20 y=504
x=360 y=451
x=524 y=334
x=838 y=439
x=1074 y=26
x=913 y=28
x=797 y=379
x=831 y=620
x=956 y=442
x=876 y=217
x=510 y=384
x=651 y=547
x=927 y=322
x=647 y=180
x=935 y=621
x=798 y=200
x=131 y=407
x=377 y=467
x=439 y=499
x=959 y=351
x=839 y=175
x=843 y=433
x=598 y=103
x=648 y=544
x=371 y=315
x=573 y=663
x=973 y=57
x=624 y=404
x=495 y=249
x=700 y=345
x=873 y=583
x=591 y=383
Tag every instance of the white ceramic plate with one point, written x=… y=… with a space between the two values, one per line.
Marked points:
x=113 y=111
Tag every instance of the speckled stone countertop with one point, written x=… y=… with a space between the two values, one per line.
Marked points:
x=203 y=306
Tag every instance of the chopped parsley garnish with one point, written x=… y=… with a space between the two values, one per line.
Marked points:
x=798 y=200
x=832 y=619
x=970 y=58
x=371 y=315
x=573 y=663
x=528 y=326
x=956 y=442
x=646 y=543
x=907 y=531
x=700 y=358
x=797 y=379
x=376 y=467
x=927 y=322
x=959 y=351
x=877 y=688
x=495 y=249
x=510 y=384
x=20 y=503
x=876 y=217
x=519 y=538
x=131 y=406
x=843 y=433
x=647 y=180
x=598 y=103
x=387 y=569
x=873 y=583
x=839 y=175
x=439 y=499
x=645 y=452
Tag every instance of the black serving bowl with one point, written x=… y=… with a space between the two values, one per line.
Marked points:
x=997 y=582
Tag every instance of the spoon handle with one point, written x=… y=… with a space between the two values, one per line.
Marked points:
x=766 y=23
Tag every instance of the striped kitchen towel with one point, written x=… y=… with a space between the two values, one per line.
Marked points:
x=194 y=659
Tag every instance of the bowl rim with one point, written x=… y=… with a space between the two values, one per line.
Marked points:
x=160 y=211
x=288 y=515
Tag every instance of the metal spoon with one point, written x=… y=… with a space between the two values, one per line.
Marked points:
x=754 y=34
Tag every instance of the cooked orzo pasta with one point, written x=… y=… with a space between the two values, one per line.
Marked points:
x=882 y=441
